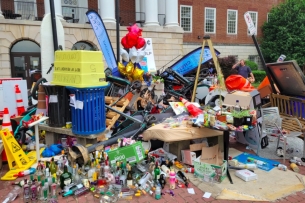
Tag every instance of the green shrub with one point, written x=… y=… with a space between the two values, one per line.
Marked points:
x=253 y=66
x=259 y=75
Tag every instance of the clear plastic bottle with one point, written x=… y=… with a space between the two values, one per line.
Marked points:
x=12 y=195
x=158 y=192
x=237 y=107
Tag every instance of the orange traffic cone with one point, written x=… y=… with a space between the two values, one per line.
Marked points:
x=19 y=101
x=192 y=109
x=6 y=122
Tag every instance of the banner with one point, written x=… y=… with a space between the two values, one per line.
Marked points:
x=148 y=62
x=103 y=38
x=190 y=61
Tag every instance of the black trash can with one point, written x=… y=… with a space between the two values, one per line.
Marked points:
x=58 y=105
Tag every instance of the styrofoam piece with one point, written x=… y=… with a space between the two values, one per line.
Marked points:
x=246 y=175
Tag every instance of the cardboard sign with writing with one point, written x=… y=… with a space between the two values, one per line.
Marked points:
x=210 y=154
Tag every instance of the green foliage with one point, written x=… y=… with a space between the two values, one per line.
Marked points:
x=240 y=114
x=285 y=32
x=259 y=75
x=226 y=64
x=253 y=66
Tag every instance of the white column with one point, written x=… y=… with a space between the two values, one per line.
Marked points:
x=57 y=7
x=107 y=10
x=151 y=13
x=1 y=16
x=171 y=13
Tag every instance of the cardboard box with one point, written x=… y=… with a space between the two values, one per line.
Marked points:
x=188 y=156
x=210 y=172
x=133 y=153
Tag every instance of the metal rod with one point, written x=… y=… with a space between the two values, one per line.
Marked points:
x=117 y=17
x=264 y=63
x=53 y=21
x=123 y=114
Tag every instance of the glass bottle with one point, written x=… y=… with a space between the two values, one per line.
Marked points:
x=26 y=192
x=182 y=176
x=40 y=191
x=53 y=192
x=129 y=178
x=34 y=195
x=237 y=107
x=12 y=195
x=65 y=178
x=76 y=177
x=123 y=178
x=53 y=167
x=157 y=172
x=45 y=190
x=72 y=190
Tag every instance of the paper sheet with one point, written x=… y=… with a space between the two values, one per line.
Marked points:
x=191 y=190
x=207 y=195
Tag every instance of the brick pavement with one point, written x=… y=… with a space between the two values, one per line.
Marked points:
x=180 y=195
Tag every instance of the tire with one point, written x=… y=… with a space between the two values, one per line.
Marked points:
x=34 y=92
x=216 y=99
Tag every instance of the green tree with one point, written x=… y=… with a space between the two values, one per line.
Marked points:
x=285 y=32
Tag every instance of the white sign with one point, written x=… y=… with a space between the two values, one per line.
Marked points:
x=148 y=62
x=250 y=24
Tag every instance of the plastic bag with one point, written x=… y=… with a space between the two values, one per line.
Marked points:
x=238 y=82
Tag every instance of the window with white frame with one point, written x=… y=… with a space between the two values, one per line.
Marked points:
x=186 y=18
x=210 y=20
x=232 y=21
x=254 y=19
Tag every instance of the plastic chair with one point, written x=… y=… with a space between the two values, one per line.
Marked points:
x=272 y=124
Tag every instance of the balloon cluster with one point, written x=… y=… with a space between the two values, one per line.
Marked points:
x=132 y=41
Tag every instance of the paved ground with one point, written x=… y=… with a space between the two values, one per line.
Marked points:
x=180 y=195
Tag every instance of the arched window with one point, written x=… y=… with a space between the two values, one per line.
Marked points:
x=84 y=46
x=25 y=61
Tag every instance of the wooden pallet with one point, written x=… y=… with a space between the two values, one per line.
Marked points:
x=111 y=116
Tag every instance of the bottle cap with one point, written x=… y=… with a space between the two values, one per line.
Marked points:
x=237 y=100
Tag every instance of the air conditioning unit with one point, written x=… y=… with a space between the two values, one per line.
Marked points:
x=69 y=2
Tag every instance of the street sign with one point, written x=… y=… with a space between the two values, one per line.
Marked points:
x=250 y=24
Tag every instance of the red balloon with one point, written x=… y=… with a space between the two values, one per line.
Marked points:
x=140 y=43
x=132 y=39
x=124 y=43
x=135 y=29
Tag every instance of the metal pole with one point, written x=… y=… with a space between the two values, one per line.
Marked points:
x=117 y=17
x=263 y=62
x=121 y=113
x=53 y=21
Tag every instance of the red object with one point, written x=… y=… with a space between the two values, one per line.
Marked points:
x=124 y=42
x=140 y=43
x=19 y=101
x=6 y=121
x=132 y=39
x=135 y=29
x=238 y=82
x=192 y=109
x=20 y=174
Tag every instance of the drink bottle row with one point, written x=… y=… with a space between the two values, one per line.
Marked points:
x=108 y=183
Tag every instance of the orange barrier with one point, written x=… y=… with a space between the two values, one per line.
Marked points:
x=238 y=82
